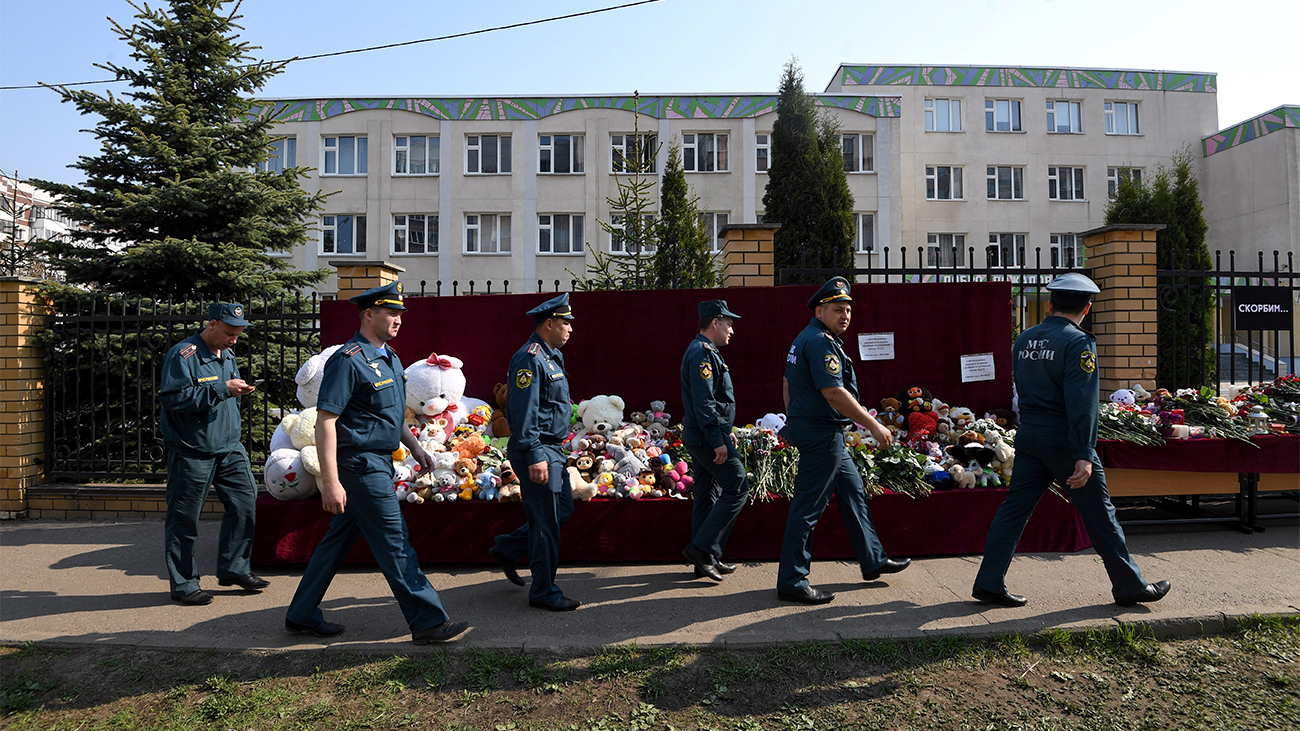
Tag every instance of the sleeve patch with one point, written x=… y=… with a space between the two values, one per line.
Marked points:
x=523 y=379
x=188 y=350
x=208 y=379
x=833 y=364
x=1088 y=361
x=706 y=370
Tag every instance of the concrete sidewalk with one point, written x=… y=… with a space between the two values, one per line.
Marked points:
x=102 y=583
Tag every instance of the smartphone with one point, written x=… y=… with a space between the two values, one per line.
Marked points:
x=258 y=383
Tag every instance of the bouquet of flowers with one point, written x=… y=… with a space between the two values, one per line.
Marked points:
x=770 y=463
x=1279 y=399
x=1200 y=411
x=1126 y=425
x=896 y=467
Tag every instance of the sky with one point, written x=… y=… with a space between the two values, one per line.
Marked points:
x=667 y=47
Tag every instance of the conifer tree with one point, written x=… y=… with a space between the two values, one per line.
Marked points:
x=174 y=204
x=685 y=256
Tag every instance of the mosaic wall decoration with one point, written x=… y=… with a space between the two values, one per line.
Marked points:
x=525 y=108
x=1025 y=77
x=1266 y=123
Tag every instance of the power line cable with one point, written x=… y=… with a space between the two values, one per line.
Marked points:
x=387 y=45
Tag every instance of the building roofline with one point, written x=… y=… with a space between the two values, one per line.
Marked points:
x=1025 y=76
x=1280 y=117
x=1031 y=66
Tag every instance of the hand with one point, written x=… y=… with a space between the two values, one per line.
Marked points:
x=720 y=454
x=1082 y=473
x=539 y=473
x=238 y=387
x=423 y=457
x=881 y=434
x=733 y=439
x=333 y=498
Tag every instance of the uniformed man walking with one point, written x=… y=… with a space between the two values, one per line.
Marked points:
x=538 y=407
x=1055 y=369
x=720 y=488
x=359 y=422
x=200 y=428
x=821 y=397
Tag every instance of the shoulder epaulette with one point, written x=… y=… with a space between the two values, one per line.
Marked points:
x=352 y=349
x=534 y=349
x=188 y=350
x=828 y=336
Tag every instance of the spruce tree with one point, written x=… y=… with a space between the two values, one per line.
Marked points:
x=807 y=190
x=173 y=204
x=685 y=256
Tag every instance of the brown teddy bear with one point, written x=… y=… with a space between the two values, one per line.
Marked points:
x=500 y=424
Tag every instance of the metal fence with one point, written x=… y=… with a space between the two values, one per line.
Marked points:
x=455 y=288
x=104 y=360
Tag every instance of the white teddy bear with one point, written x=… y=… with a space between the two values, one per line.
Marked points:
x=310 y=376
x=599 y=415
x=435 y=387
x=772 y=422
x=287 y=478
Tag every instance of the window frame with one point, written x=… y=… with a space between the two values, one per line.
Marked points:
x=1015 y=119
x=867 y=231
x=431 y=225
x=1115 y=174
x=994 y=178
x=692 y=152
x=1057 y=245
x=956 y=179
x=577 y=242
x=648 y=151
x=577 y=162
x=710 y=222
x=1074 y=115
x=866 y=160
x=430 y=160
x=477 y=225
x=357 y=234
x=997 y=240
x=1131 y=120
x=289 y=150
x=762 y=151
x=934 y=250
x=616 y=222
x=931 y=115
x=1076 y=181
x=504 y=153
x=360 y=155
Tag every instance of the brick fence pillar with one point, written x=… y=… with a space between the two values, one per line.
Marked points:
x=1122 y=261
x=22 y=395
x=747 y=252
x=356 y=277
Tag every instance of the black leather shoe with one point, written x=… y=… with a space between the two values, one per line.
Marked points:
x=439 y=632
x=1006 y=598
x=723 y=568
x=324 y=629
x=248 y=582
x=196 y=598
x=563 y=604
x=808 y=596
x=703 y=562
x=508 y=566
x=1153 y=593
x=890 y=567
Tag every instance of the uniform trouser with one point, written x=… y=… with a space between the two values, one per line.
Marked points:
x=1036 y=467
x=372 y=511
x=825 y=469
x=720 y=491
x=189 y=478
x=548 y=507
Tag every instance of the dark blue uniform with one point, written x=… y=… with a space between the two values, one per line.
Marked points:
x=539 y=409
x=1055 y=368
x=720 y=490
x=366 y=387
x=817 y=360
x=200 y=428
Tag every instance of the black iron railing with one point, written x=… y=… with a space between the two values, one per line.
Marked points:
x=456 y=288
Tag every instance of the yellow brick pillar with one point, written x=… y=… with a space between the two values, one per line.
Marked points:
x=356 y=277
x=22 y=394
x=1121 y=259
x=747 y=254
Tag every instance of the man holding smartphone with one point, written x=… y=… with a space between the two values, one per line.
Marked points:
x=200 y=428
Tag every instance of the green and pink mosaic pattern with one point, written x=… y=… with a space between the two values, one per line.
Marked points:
x=1239 y=134
x=1026 y=77
x=524 y=108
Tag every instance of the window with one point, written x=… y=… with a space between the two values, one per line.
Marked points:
x=713 y=223
x=345 y=156
x=1006 y=183
x=616 y=242
x=628 y=149
x=859 y=153
x=943 y=183
x=704 y=153
x=284 y=154
x=1122 y=118
x=561 y=154
x=559 y=233
x=1063 y=117
x=1115 y=176
x=345 y=234
x=1065 y=184
x=1067 y=251
x=945 y=250
x=1001 y=115
x=762 y=153
x=415 y=233
x=942 y=115
x=487 y=233
x=487 y=154
x=416 y=155
x=866 y=232
x=1004 y=250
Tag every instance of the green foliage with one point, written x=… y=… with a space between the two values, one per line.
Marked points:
x=173 y=203
x=807 y=189
x=1185 y=314
x=684 y=259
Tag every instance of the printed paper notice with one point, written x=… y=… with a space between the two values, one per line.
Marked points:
x=876 y=346
x=977 y=367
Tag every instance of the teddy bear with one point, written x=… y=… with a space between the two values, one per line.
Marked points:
x=890 y=415
x=772 y=422
x=1005 y=418
x=285 y=476
x=657 y=415
x=301 y=427
x=310 y=376
x=500 y=424
x=1141 y=394
x=435 y=386
x=599 y=415
x=976 y=457
x=405 y=494
x=962 y=417
x=466 y=470
x=626 y=462
x=1123 y=397
x=656 y=432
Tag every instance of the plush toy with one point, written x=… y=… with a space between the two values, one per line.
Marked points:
x=479 y=417
x=626 y=463
x=605 y=484
x=1005 y=418
x=280 y=438
x=593 y=443
x=582 y=485
x=1141 y=394
x=310 y=376
x=657 y=415
x=976 y=458
x=914 y=399
x=600 y=415
x=285 y=476
x=301 y=428
x=404 y=493
x=921 y=424
x=673 y=479
x=488 y=484
x=890 y=414
x=435 y=386
x=772 y=422
x=656 y=431
x=1123 y=397
x=500 y=425
x=959 y=476
x=465 y=471
x=962 y=417
x=470 y=447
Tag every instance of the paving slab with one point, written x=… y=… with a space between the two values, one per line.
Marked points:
x=97 y=583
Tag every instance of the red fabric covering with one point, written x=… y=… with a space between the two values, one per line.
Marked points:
x=1275 y=454
x=949 y=522
x=631 y=343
